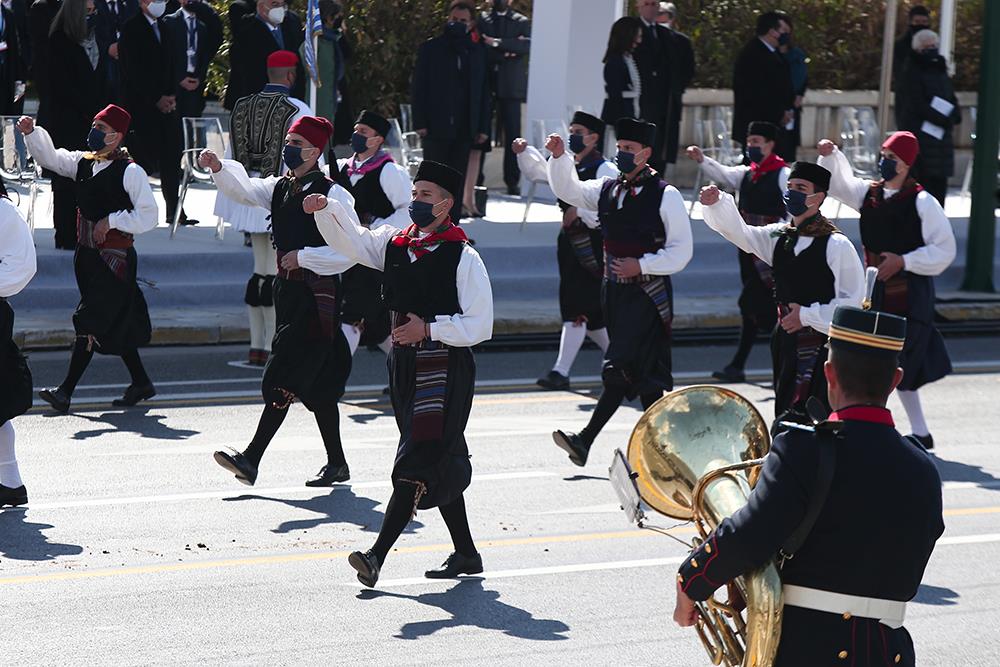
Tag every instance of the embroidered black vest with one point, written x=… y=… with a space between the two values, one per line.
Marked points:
x=891 y=225
x=291 y=227
x=370 y=200
x=804 y=278
x=763 y=197
x=427 y=286
x=99 y=195
x=636 y=228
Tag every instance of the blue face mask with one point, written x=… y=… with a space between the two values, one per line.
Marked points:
x=930 y=52
x=359 y=142
x=784 y=38
x=887 y=168
x=625 y=162
x=422 y=214
x=795 y=202
x=95 y=140
x=576 y=143
x=755 y=153
x=91 y=20
x=292 y=155
x=456 y=29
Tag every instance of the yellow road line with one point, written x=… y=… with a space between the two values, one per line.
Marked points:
x=966 y=511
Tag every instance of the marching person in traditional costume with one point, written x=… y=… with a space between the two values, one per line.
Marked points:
x=762 y=186
x=907 y=236
x=309 y=360
x=438 y=291
x=579 y=250
x=114 y=203
x=647 y=237
x=815 y=268
x=847 y=571
x=381 y=190
x=257 y=129
x=17 y=266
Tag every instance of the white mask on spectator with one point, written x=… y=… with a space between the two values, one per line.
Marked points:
x=157 y=8
x=276 y=15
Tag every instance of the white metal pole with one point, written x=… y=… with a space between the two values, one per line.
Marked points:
x=885 y=81
x=948 y=33
x=313 y=93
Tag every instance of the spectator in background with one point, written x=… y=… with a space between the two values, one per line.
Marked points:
x=622 y=83
x=474 y=170
x=195 y=35
x=681 y=60
x=507 y=37
x=798 y=68
x=237 y=10
x=929 y=109
x=19 y=14
x=652 y=56
x=12 y=71
x=330 y=63
x=450 y=97
x=918 y=19
x=111 y=16
x=762 y=80
x=272 y=28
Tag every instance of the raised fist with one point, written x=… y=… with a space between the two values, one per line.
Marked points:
x=694 y=152
x=26 y=124
x=709 y=195
x=518 y=146
x=313 y=203
x=825 y=147
x=554 y=144
x=209 y=160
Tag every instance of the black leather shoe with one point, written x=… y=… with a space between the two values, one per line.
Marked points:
x=329 y=475
x=367 y=566
x=13 y=497
x=57 y=398
x=133 y=394
x=925 y=441
x=730 y=374
x=554 y=380
x=187 y=222
x=514 y=190
x=455 y=565
x=573 y=445
x=239 y=465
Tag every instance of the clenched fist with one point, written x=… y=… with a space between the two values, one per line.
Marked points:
x=26 y=124
x=709 y=195
x=554 y=144
x=209 y=160
x=518 y=146
x=825 y=147
x=313 y=203
x=694 y=152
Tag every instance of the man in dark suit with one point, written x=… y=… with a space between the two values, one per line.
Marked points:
x=762 y=81
x=681 y=60
x=12 y=71
x=40 y=16
x=111 y=16
x=652 y=58
x=272 y=28
x=195 y=35
x=149 y=91
x=507 y=36
x=451 y=106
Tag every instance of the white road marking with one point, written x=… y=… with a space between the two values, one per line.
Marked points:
x=969 y=539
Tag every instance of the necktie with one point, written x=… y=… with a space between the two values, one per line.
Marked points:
x=192 y=49
x=156 y=30
x=113 y=6
x=278 y=37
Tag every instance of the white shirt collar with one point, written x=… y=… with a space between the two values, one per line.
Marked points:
x=770 y=48
x=648 y=24
x=188 y=14
x=149 y=18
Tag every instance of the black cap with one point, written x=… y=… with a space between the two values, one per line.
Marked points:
x=592 y=123
x=638 y=131
x=374 y=121
x=764 y=129
x=815 y=174
x=919 y=10
x=869 y=331
x=443 y=175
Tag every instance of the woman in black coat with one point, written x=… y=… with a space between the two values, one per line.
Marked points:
x=927 y=94
x=621 y=75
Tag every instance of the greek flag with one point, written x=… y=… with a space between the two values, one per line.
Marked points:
x=314 y=27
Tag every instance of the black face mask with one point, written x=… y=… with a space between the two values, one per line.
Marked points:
x=500 y=5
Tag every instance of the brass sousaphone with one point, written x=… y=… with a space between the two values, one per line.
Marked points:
x=694 y=455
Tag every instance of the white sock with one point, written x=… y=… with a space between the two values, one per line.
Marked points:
x=256 y=327
x=353 y=336
x=10 y=476
x=386 y=345
x=914 y=411
x=269 y=326
x=600 y=336
x=569 y=345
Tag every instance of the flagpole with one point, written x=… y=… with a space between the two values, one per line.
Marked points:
x=313 y=90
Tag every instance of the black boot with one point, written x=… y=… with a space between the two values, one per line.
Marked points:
x=730 y=374
x=329 y=475
x=455 y=565
x=367 y=566
x=239 y=465
x=133 y=394
x=57 y=398
x=554 y=380
x=574 y=445
x=13 y=497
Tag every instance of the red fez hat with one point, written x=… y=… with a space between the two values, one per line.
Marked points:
x=313 y=129
x=904 y=145
x=280 y=59
x=116 y=117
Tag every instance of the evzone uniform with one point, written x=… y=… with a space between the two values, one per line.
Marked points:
x=257 y=130
x=112 y=316
x=815 y=267
x=310 y=360
x=440 y=279
x=908 y=222
x=761 y=187
x=17 y=267
x=579 y=253
x=645 y=219
x=382 y=193
x=847 y=572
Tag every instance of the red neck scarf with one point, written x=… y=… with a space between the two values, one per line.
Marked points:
x=772 y=162
x=420 y=245
x=864 y=413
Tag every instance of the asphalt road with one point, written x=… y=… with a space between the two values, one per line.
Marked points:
x=137 y=549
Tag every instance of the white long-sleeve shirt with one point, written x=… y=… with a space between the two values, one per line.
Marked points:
x=473 y=325
x=848 y=275
x=144 y=213
x=533 y=166
x=938 y=251
x=234 y=182
x=398 y=188
x=17 y=250
x=677 y=248
x=733 y=176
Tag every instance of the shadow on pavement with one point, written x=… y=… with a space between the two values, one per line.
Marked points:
x=936 y=595
x=22 y=540
x=955 y=471
x=133 y=420
x=472 y=605
x=580 y=478
x=341 y=505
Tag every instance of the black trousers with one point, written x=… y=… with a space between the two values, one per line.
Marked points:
x=455 y=154
x=509 y=122
x=190 y=103
x=157 y=147
x=937 y=186
x=64 y=212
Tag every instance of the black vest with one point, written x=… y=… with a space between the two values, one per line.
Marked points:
x=893 y=225
x=587 y=173
x=370 y=200
x=291 y=227
x=636 y=228
x=804 y=278
x=763 y=197
x=99 y=196
x=427 y=286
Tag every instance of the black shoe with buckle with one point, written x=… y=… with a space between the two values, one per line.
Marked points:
x=572 y=444
x=329 y=475
x=367 y=566
x=925 y=441
x=58 y=398
x=730 y=374
x=133 y=394
x=455 y=565
x=239 y=465
x=554 y=380
x=13 y=497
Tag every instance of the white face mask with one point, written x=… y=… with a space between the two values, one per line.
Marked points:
x=276 y=15
x=156 y=9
